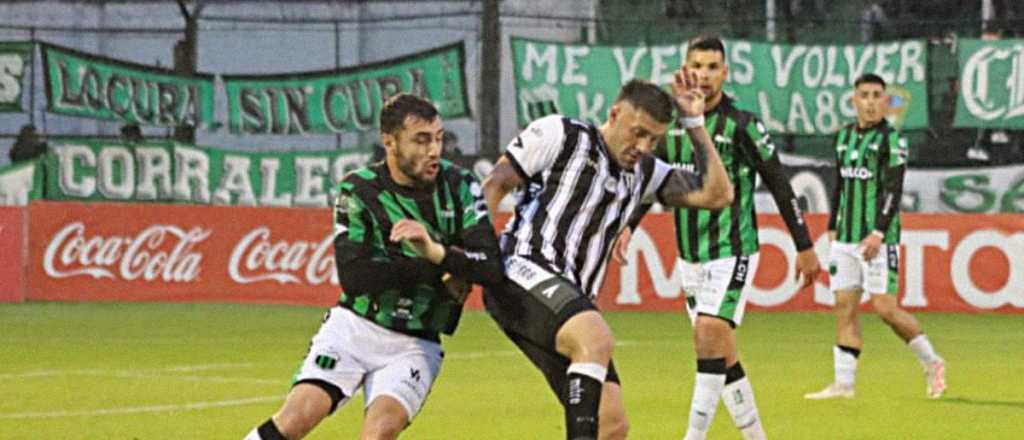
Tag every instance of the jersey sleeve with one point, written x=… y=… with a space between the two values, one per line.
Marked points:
x=476 y=257
x=759 y=147
x=892 y=180
x=537 y=147
x=672 y=178
x=357 y=240
x=837 y=189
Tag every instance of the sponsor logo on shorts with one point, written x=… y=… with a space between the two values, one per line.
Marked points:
x=414 y=374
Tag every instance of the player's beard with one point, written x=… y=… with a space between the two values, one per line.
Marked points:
x=416 y=169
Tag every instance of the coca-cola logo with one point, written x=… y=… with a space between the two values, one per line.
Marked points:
x=257 y=257
x=160 y=252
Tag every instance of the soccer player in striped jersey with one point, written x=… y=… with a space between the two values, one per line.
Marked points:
x=410 y=233
x=864 y=229
x=718 y=248
x=580 y=184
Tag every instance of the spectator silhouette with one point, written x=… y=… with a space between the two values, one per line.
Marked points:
x=28 y=145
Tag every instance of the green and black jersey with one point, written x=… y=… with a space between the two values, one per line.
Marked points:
x=387 y=282
x=869 y=183
x=745 y=147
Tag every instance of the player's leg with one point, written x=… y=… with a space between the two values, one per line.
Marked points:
x=327 y=378
x=552 y=314
x=846 y=270
x=716 y=304
x=304 y=408
x=612 y=421
x=385 y=419
x=587 y=341
x=738 y=393
x=399 y=382
x=883 y=284
x=612 y=412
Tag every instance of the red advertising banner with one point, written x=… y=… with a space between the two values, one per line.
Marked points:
x=153 y=252
x=948 y=262
x=13 y=258
x=157 y=252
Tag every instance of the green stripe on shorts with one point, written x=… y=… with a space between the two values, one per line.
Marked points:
x=729 y=304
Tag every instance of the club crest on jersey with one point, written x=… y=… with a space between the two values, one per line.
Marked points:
x=856 y=173
x=326 y=361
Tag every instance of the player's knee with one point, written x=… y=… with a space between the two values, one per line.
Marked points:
x=304 y=408
x=587 y=339
x=294 y=424
x=613 y=427
x=889 y=315
x=382 y=429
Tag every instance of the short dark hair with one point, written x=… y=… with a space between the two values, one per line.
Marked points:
x=869 y=78
x=648 y=97
x=706 y=42
x=402 y=105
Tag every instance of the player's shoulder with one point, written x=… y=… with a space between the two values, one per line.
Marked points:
x=452 y=172
x=365 y=177
x=542 y=132
x=733 y=110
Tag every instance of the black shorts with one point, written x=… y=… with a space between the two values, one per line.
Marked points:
x=531 y=319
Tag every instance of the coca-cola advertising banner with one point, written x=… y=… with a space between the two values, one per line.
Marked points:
x=12 y=253
x=156 y=252
x=133 y=252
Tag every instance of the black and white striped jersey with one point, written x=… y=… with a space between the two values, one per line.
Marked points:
x=576 y=199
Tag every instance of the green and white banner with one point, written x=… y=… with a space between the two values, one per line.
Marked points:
x=15 y=62
x=986 y=190
x=91 y=86
x=797 y=89
x=991 y=84
x=347 y=99
x=21 y=182
x=100 y=170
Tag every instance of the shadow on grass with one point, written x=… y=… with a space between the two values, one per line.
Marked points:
x=1017 y=404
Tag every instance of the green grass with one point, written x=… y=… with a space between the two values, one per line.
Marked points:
x=74 y=371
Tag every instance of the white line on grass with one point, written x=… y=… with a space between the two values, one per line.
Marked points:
x=180 y=368
x=154 y=373
x=141 y=409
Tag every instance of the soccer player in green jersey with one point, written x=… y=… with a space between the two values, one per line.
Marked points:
x=409 y=234
x=718 y=248
x=864 y=229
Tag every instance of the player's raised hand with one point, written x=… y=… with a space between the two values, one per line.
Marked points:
x=687 y=93
x=416 y=235
x=807 y=267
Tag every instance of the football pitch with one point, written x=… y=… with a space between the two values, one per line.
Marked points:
x=163 y=371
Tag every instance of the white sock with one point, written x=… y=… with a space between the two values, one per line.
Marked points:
x=590 y=369
x=252 y=435
x=739 y=400
x=707 y=390
x=845 y=365
x=923 y=349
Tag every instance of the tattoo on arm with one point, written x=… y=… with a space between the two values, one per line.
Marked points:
x=677 y=185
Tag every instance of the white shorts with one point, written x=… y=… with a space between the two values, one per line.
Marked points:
x=350 y=352
x=849 y=271
x=715 y=288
